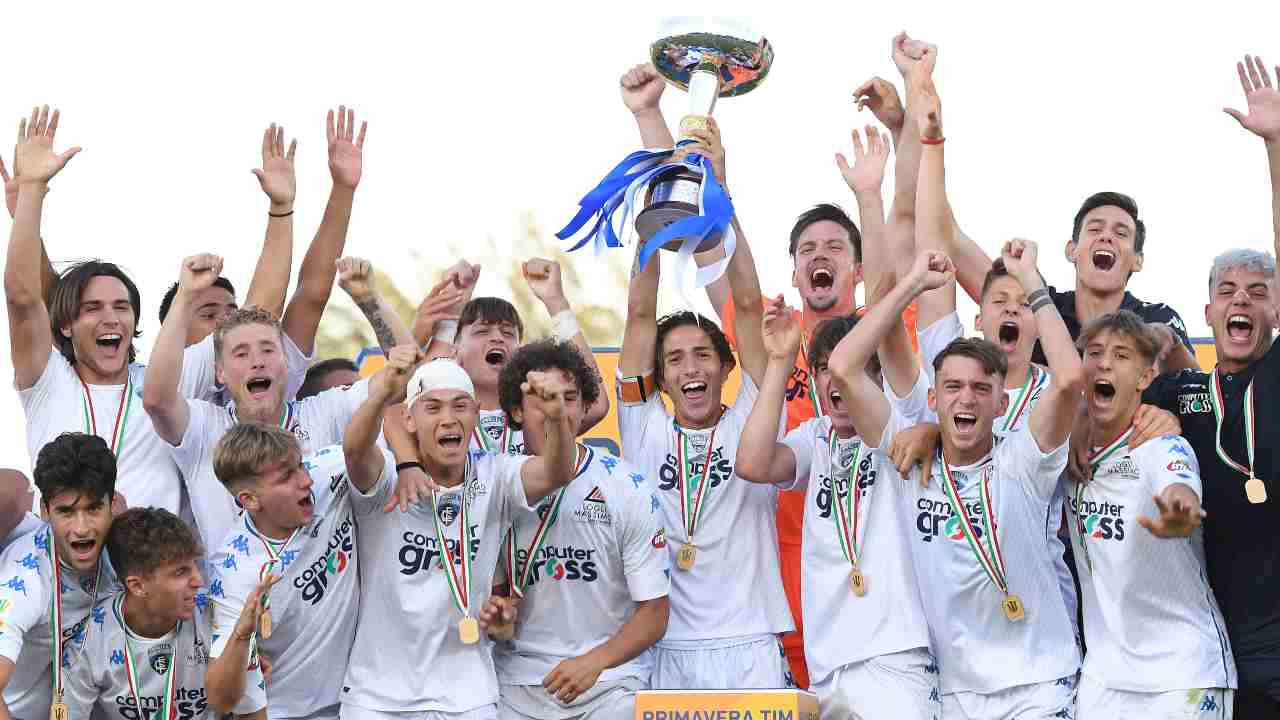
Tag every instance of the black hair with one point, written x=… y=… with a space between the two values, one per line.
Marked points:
x=1114 y=199
x=546 y=354
x=77 y=462
x=142 y=540
x=1128 y=323
x=64 y=306
x=827 y=211
x=313 y=384
x=490 y=310
x=670 y=322
x=167 y=301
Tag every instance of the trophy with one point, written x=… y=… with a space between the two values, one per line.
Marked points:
x=679 y=206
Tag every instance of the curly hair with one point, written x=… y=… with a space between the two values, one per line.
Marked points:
x=670 y=322
x=252 y=315
x=247 y=448
x=77 y=462
x=142 y=540
x=546 y=354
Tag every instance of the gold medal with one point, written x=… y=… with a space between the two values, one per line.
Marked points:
x=1255 y=490
x=265 y=625
x=858 y=582
x=686 y=556
x=58 y=710
x=1013 y=608
x=469 y=631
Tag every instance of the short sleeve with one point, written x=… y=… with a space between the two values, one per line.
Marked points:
x=801 y=440
x=639 y=423
x=198 y=380
x=643 y=542
x=22 y=599
x=329 y=412
x=58 y=381
x=1169 y=460
x=299 y=362
x=1037 y=471
x=894 y=425
x=935 y=338
x=507 y=478
x=228 y=593
x=915 y=406
x=748 y=391
x=376 y=498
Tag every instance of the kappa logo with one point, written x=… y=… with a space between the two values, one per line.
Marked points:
x=448 y=509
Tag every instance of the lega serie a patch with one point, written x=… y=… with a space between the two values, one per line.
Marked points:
x=595 y=496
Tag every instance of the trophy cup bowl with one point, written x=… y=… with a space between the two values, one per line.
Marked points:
x=709 y=59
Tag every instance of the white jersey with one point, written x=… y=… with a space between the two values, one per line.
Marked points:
x=734 y=588
x=26 y=596
x=100 y=678
x=407 y=655
x=316 y=422
x=314 y=604
x=1150 y=619
x=493 y=434
x=29 y=523
x=604 y=551
x=889 y=618
x=978 y=649
x=298 y=364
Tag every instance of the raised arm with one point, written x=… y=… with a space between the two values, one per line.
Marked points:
x=642 y=88
x=552 y=468
x=847 y=363
x=707 y=144
x=162 y=394
x=48 y=276
x=360 y=441
x=1053 y=415
x=544 y=280
x=761 y=458
x=934 y=225
x=435 y=324
x=30 y=337
x=355 y=277
x=640 y=332
x=270 y=280
x=315 y=277
x=1263 y=120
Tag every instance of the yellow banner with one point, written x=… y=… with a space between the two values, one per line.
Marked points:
x=726 y=705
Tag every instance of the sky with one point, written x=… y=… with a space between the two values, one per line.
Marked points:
x=478 y=114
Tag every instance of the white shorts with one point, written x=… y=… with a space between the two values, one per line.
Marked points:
x=900 y=685
x=1097 y=701
x=611 y=700
x=353 y=712
x=1039 y=701
x=752 y=662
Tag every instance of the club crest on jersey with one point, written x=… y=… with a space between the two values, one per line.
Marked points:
x=448 y=508
x=844 y=457
x=159 y=658
x=698 y=445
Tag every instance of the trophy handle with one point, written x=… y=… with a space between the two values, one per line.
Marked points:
x=704 y=88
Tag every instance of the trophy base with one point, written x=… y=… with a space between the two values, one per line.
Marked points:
x=672 y=197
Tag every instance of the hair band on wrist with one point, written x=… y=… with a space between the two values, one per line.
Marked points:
x=932 y=141
x=279 y=215
x=401 y=467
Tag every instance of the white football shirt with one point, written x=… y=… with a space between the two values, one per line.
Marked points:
x=735 y=586
x=492 y=434
x=317 y=422
x=889 y=618
x=30 y=523
x=407 y=655
x=26 y=594
x=979 y=649
x=100 y=678
x=605 y=551
x=313 y=607
x=1150 y=619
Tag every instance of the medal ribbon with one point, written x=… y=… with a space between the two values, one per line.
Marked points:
x=992 y=561
x=55 y=613
x=272 y=555
x=1096 y=458
x=504 y=442
x=286 y=416
x=848 y=510
x=693 y=499
x=813 y=385
x=1219 y=415
x=459 y=581
x=122 y=416
x=520 y=581
x=166 y=708
x=1019 y=406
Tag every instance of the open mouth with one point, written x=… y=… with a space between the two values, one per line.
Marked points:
x=694 y=390
x=258 y=385
x=307 y=502
x=1009 y=333
x=495 y=357
x=451 y=441
x=822 y=279
x=836 y=400
x=110 y=340
x=1104 y=390
x=965 y=421
x=83 y=547
x=1239 y=328
x=1104 y=260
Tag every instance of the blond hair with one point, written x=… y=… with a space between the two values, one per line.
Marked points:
x=247 y=448
x=252 y=315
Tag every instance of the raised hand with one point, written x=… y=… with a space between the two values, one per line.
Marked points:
x=346 y=150
x=444 y=302
x=881 y=97
x=10 y=188
x=544 y=280
x=464 y=276
x=781 y=332
x=199 y=272
x=402 y=360
x=867 y=173
x=34 y=160
x=642 y=88
x=906 y=52
x=707 y=144
x=931 y=270
x=547 y=389
x=250 y=620
x=1020 y=260
x=1263 y=118
x=276 y=174
x=355 y=277
x=1180 y=513
x=926 y=108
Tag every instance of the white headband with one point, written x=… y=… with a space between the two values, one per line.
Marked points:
x=439 y=374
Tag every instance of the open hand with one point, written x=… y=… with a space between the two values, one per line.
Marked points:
x=867 y=173
x=346 y=150
x=34 y=160
x=1180 y=513
x=1263 y=118
x=881 y=98
x=781 y=331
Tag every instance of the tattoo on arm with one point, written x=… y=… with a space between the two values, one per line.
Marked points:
x=381 y=330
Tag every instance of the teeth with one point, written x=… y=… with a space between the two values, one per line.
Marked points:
x=1240 y=320
x=111 y=336
x=835 y=395
x=694 y=386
